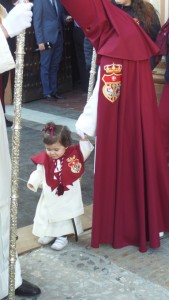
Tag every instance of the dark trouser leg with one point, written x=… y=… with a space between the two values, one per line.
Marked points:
x=78 y=37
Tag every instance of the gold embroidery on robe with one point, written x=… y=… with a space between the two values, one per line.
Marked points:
x=112 y=81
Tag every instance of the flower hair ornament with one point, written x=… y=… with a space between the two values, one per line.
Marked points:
x=49 y=129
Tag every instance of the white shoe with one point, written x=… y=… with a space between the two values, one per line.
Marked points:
x=45 y=240
x=60 y=243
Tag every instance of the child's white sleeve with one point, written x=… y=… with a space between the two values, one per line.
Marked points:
x=88 y=119
x=86 y=148
x=35 y=178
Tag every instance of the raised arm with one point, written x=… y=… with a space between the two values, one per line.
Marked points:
x=90 y=15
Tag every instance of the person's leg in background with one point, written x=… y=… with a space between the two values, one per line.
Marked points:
x=45 y=59
x=88 y=52
x=54 y=66
x=78 y=38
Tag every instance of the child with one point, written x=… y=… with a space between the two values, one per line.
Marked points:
x=58 y=172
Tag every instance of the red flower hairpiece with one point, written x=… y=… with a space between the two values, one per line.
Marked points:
x=49 y=128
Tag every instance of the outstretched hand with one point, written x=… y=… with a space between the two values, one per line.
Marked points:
x=80 y=133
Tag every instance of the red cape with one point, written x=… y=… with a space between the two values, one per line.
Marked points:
x=73 y=166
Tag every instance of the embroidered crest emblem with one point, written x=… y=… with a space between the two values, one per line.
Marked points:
x=112 y=81
x=74 y=164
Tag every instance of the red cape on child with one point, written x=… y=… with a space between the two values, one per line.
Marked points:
x=72 y=169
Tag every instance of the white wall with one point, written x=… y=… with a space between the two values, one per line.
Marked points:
x=162 y=7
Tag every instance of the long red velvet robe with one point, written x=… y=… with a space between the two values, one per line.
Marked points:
x=131 y=190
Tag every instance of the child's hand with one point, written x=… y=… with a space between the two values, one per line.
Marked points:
x=80 y=133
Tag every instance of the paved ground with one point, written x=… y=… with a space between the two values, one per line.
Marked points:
x=80 y=272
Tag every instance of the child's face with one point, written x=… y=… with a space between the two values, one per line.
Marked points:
x=55 y=150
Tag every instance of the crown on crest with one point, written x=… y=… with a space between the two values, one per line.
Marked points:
x=113 y=68
x=70 y=159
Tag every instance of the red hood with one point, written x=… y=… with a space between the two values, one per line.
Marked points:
x=112 y=32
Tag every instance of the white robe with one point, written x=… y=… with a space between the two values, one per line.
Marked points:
x=6 y=63
x=54 y=213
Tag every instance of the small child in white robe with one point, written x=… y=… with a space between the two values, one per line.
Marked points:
x=58 y=172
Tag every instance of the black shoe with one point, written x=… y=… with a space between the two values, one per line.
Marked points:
x=49 y=97
x=57 y=96
x=8 y=123
x=27 y=289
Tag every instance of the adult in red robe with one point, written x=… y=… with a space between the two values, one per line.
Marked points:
x=131 y=190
